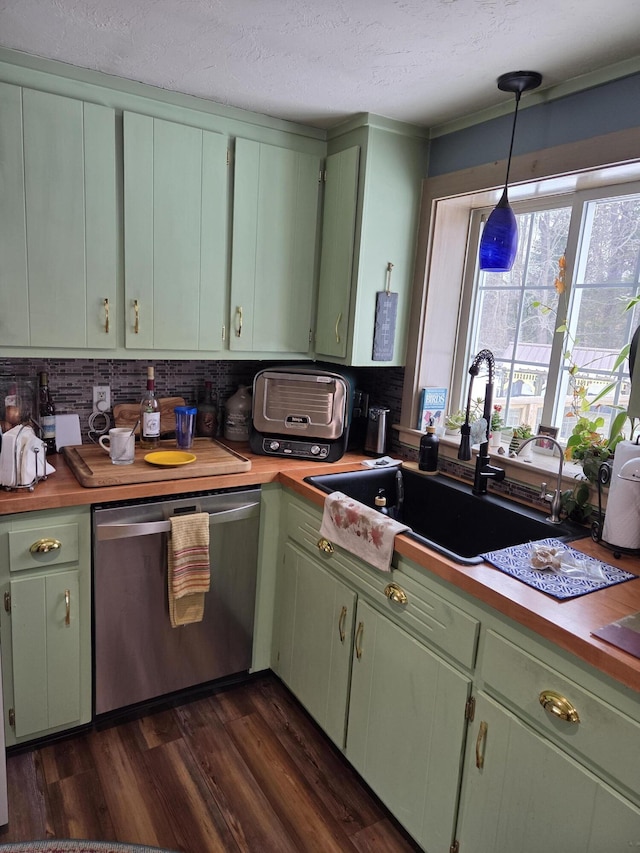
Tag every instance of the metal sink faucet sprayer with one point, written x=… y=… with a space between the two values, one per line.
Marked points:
x=556 y=498
x=484 y=470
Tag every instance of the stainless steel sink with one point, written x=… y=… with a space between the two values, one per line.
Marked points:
x=444 y=514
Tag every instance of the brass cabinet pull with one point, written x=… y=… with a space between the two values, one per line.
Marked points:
x=387 y=286
x=396 y=594
x=43 y=546
x=67 y=604
x=338 y=318
x=341 y=622
x=359 y=633
x=480 y=742
x=239 y=323
x=106 y=316
x=558 y=706
x=136 y=309
x=325 y=545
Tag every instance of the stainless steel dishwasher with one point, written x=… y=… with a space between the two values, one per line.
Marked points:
x=138 y=656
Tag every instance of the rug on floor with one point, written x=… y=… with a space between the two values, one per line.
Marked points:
x=63 y=846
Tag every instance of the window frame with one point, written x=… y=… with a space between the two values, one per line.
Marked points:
x=443 y=243
x=578 y=201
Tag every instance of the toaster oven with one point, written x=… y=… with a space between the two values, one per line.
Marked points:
x=301 y=412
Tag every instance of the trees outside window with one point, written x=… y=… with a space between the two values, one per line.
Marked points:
x=577 y=269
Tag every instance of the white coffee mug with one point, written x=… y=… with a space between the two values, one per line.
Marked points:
x=120 y=444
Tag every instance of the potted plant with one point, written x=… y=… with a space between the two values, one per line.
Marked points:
x=453 y=422
x=587 y=446
x=520 y=434
x=497 y=423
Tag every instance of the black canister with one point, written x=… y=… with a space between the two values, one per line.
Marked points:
x=429 y=444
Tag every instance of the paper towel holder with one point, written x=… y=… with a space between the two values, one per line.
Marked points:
x=629 y=471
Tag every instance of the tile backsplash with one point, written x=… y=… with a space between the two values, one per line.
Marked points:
x=71 y=380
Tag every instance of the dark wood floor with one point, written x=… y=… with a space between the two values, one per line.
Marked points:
x=243 y=770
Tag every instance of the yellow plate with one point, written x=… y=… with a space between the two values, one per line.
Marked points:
x=170 y=458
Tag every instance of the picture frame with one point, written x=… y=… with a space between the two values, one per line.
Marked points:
x=547 y=447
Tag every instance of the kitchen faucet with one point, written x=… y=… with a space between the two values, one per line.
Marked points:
x=484 y=470
x=556 y=498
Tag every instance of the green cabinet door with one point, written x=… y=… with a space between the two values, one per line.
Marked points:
x=407 y=727
x=45 y=624
x=45 y=635
x=384 y=164
x=57 y=221
x=314 y=639
x=275 y=212
x=522 y=793
x=175 y=219
x=336 y=258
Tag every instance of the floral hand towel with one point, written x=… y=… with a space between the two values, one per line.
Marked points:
x=361 y=530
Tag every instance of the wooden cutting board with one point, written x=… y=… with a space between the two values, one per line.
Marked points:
x=127 y=414
x=92 y=465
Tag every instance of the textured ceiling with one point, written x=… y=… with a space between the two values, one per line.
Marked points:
x=319 y=61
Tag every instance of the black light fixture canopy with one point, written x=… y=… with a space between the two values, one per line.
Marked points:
x=499 y=242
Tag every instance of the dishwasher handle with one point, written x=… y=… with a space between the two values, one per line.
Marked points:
x=145 y=528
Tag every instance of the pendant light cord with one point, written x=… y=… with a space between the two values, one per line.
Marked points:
x=513 y=135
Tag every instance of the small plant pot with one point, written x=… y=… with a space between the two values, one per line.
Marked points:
x=495 y=439
x=515 y=445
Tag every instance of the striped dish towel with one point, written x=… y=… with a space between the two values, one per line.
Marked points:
x=189 y=574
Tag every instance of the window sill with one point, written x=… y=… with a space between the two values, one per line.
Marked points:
x=540 y=468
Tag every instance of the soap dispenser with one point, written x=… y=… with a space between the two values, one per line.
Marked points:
x=429 y=444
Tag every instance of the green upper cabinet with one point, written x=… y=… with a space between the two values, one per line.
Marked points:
x=336 y=259
x=370 y=221
x=57 y=221
x=175 y=242
x=275 y=214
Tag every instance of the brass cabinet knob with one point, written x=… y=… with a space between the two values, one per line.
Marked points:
x=558 y=706
x=43 y=546
x=396 y=594
x=325 y=545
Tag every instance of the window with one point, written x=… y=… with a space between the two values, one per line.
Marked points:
x=578 y=266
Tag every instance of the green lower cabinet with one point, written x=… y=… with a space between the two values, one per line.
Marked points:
x=45 y=624
x=407 y=727
x=522 y=793
x=45 y=634
x=314 y=642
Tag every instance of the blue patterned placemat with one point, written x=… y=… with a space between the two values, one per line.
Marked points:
x=515 y=561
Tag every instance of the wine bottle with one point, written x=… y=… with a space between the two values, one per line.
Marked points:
x=46 y=414
x=150 y=414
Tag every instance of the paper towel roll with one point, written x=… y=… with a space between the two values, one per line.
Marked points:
x=622 y=517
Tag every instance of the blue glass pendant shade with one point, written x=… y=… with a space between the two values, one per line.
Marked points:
x=499 y=241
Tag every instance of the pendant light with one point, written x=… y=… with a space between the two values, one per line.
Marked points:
x=499 y=242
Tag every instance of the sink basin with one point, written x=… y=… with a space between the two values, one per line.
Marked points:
x=445 y=515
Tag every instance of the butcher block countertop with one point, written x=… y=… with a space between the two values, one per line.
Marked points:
x=567 y=624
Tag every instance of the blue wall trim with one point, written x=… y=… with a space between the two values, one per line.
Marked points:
x=604 y=109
